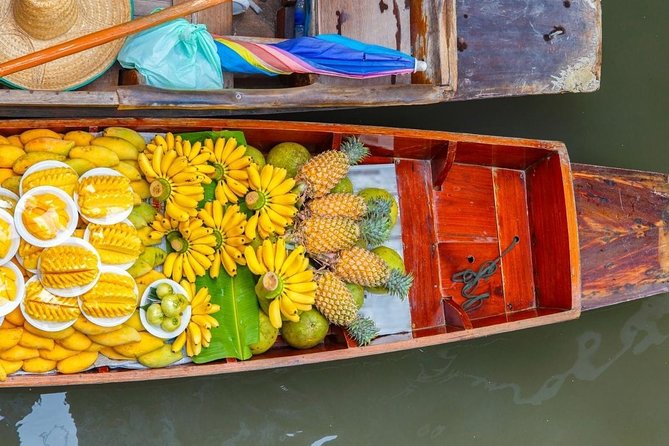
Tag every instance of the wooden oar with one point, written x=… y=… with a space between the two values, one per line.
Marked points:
x=104 y=36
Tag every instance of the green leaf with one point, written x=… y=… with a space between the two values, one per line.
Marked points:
x=201 y=136
x=238 y=317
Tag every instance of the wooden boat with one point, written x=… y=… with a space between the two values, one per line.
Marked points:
x=589 y=236
x=473 y=50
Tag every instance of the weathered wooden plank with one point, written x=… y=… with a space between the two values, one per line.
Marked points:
x=623 y=219
x=433 y=40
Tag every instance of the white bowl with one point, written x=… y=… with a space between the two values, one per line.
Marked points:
x=44 y=325
x=109 y=321
x=20 y=292
x=14 y=238
x=6 y=193
x=77 y=290
x=110 y=219
x=156 y=330
x=70 y=207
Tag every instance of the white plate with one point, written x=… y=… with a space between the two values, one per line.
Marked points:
x=70 y=207
x=109 y=321
x=77 y=290
x=6 y=193
x=42 y=165
x=20 y=292
x=124 y=266
x=157 y=331
x=111 y=218
x=44 y=325
x=14 y=238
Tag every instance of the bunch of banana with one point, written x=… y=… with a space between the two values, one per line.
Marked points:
x=161 y=226
x=193 y=245
x=198 y=331
x=230 y=164
x=286 y=279
x=66 y=266
x=45 y=215
x=229 y=226
x=117 y=244
x=271 y=199
x=171 y=182
x=63 y=178
x=102 y=195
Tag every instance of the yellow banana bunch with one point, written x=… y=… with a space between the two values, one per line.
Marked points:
x=193 y=245
x=198 y=331
x=271 y=199
x=228 y=226
x=167 y=142
x=286 y=279
x=230 y=166
x=172 y=182
x=161 y=226
x=197 y=157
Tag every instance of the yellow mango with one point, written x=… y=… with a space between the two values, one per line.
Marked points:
x=12 y=183
x=80 y=165
x=15 y=317
x=31 y=134
x=5 y=172
x=49 y=334
x=19 y=353
x=9 y=337
x=24 y=162
x=161 y=357
x=30 y=340
x=135 y=322
x=95 y=347
x=77 y=363
x=147 y=344
x=89 y=328
x=80 y=137
x=124 y=149
x=38 y=365
x=129 y=135
x=141 y=188
x=3 y=140
x=51 y=145
x=15 y=140
x=57 y=353
x=110 y=353
x=9 y=154
x=128 y=170
x=77 y=341
x=100 y=156
x=11 y=366
x=121 y=336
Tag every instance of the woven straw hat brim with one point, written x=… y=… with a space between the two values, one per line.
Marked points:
x=68 y=72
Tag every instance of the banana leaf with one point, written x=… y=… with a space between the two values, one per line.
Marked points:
x=238 y=317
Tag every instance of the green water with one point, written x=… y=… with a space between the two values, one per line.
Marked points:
x=601 y=380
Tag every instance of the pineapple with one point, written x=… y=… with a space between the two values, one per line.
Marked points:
x=335 y=301
x=322 y=172
x=363 y=267
x=321 y=235
x=339 y=205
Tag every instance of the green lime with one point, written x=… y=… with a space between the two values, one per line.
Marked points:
x=289 y=155
x=308 y=332
x=358 y=293
x=267 y=335
x=393 y=260
x=257 y=156
x=375 y=192
x=343 y=187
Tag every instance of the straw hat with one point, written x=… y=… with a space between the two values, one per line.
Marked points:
x=27 y=26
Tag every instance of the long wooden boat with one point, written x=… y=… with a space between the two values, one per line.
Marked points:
x=473 y=50
x=589 y=236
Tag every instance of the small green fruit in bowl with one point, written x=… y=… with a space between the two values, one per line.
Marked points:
x=170 y=305
x=163 y=290
x=154 y=314
x=170 y=323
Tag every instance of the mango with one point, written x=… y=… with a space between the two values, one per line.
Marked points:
x=24 y=162
x=77 y=363
x=51 y=145
x=80 y=165
x=9 y=154
x=19 y=353
x=123 y=149
x=161 y=357
x=76 y=341
x=129 y=135
x=38 y=365
x=89 y=328
x=49 y=334
x=31 y=134
x=80 y=137
x=31 y=340
x=9 y=337
x=100 y=156
x=147 y=343
x=57 y=353
x=121 y=336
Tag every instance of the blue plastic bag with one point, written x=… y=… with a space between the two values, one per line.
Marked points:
x=175 y=55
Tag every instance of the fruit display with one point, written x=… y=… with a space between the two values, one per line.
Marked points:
x=182 y=248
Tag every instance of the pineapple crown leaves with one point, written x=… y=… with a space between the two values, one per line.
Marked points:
x=379 y=207
x=398 y=283
x=375 y=230
x=354 y=149
x=363 y=330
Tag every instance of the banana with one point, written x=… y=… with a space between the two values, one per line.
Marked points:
x=98 y=155
x=80 y=137
x=80 y=165
x=9 y=154
x=144 y=235
x=124 y=149
x=179 y=342
x=275 y=313
x=129 y=135
x=24 y=162
x=31 y=134
x=48 y=144
x=129 y=171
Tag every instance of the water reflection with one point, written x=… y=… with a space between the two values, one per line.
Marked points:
x=49 y=423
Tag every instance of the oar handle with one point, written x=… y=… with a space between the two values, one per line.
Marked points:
x=104 y=36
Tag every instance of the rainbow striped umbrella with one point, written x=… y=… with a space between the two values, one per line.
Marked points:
x=328 y=54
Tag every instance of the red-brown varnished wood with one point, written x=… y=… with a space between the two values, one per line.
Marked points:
x=442 y=162
x=465 y=205
x=414 y=186
x=623 y=218
x=512 y=221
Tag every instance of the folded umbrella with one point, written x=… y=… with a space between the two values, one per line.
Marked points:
x=328 y=54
